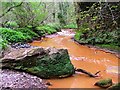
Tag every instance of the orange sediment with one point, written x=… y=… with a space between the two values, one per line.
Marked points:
x=89 y=59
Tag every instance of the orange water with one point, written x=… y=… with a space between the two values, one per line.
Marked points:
x=89 y=59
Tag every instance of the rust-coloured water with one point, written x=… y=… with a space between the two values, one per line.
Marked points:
x=90 y=59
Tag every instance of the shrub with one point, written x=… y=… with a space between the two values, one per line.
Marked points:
x=56 y=26
x=12 y=36
x=82 y=33
x=3 y=44
x=61 y=18
x=98 y=36
x=77 y=35
x=11 y=25
x=29 y=26
x=70 y=26
x=28 y=33
x=39 y=31
x=48 y=29
x=42 y=30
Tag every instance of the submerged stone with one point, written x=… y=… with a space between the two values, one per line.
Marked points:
x=45 y=63
x=105 y=83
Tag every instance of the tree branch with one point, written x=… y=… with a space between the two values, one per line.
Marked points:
x=88 y=73
x=11 y=9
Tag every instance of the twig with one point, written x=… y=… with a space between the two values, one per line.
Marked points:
x=97 y=72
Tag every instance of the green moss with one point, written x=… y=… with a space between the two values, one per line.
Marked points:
x=70 y=26
x=33 y=70
x=56 y=69
x=18 y=67
x=56 y=65
x=104 y=83
x=115 y=86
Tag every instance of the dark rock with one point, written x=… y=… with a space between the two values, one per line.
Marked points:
x=6 y=88
x=45 y=63
x=105 y=83
x=1 y=53
x=21 y=45
x=49 y=84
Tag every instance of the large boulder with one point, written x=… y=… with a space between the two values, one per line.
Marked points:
x=45 y=63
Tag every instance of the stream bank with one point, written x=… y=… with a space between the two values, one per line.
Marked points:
x=115 y=52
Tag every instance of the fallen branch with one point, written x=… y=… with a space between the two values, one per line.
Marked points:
x=88 y=73
x=97 y=72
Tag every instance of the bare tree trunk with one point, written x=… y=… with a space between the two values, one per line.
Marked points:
x=77 y=11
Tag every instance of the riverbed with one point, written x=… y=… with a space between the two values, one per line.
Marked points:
x=89 y=59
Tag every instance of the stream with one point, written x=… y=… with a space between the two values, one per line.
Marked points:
x=81 y=56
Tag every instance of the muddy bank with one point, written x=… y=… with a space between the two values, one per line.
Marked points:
x=14 y=79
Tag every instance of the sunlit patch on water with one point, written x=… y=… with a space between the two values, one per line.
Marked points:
x=78 y=58
x=113 y=69
x=51 y=36
x=90 y=60
x=66 y=33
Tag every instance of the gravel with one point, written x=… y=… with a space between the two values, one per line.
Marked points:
x=10 y=79
x=21 y=45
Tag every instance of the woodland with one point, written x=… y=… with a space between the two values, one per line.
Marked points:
x=25 y=26
x=96 y=23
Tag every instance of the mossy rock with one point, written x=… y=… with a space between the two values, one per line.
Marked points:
x=105 y=83
x=115 y=86
x=49 y=63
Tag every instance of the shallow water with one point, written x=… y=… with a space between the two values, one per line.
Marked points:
x=89 y=59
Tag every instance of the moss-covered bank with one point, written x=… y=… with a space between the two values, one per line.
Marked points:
x=26 y=34
x=103 y=39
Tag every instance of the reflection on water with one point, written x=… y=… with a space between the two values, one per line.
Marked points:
x=92 y=60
